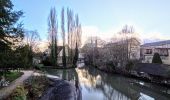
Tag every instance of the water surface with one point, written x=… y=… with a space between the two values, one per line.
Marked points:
x=97 y=85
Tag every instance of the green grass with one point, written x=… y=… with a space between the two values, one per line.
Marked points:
x=39 y=66
x=11 y=76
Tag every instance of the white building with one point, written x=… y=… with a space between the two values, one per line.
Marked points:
x=162 y=47
x=59 y=53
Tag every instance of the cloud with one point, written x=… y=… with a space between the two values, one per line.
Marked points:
x=88 y=31
x=106 y=35
x=43 y=45
x=148 y=37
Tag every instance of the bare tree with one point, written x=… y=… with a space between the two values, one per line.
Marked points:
x=94 y=50
x=117 y=52
x=77 y=38
x=70 y=32
x=78 y=31
x=74 y=35
x=32 y=39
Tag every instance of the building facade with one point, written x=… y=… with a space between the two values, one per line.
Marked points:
x=162 y=47
x=59 y=53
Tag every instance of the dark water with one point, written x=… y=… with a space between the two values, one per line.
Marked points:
x=97 y=85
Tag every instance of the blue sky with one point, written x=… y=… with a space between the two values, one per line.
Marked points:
x=151 y=18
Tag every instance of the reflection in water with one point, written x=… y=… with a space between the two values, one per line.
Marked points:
x=97 y=85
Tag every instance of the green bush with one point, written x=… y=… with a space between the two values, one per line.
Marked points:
x=38 y=66
x=156 y=58
x=111 y=65
x=76 y=55
x=11 y=76
x=14 y=59
x=130 y=64
x=47 y=62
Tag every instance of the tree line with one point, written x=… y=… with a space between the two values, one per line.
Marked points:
x=118 y=52
x=70 y=35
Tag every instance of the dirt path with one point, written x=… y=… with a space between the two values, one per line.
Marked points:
x=6 y=91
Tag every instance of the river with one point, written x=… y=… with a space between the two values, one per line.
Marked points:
x=98 y=85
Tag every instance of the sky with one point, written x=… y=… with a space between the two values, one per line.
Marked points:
x=150 y=18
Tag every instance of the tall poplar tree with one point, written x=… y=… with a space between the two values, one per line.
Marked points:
x=53 y=26
x=63 y=37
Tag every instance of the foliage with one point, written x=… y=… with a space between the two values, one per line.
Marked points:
x=32 y=89
x=18 y=94
x=71 y=32
x=5 y=59
x=10 y=31
x=64 y=57
x=53 y=37
x=156 y=58
x=56 y=51
x=35 y=86
x=110 y=63
x=129 y=65
x=38 y=66
x=120 y=49
x=63 y=37
x=47 y=62
x=76 y=55
x=9 y=60
x=11 y=76
x=73 y=36
x=20 y=58
x=25 y=56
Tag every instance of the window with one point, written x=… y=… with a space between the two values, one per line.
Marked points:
x=148 y=51
x=162 y=51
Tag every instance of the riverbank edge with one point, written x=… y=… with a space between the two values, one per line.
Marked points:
x=130 y=76
x=51 y=82
x=52 y=67
x=59 y=89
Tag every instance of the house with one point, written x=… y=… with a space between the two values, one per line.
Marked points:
x=36 y=60
x=59 y=53
x=162 y=47
x=129 y=48
x=118 y=52
x=134 y=49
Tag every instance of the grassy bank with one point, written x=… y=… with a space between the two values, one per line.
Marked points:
x=11 y=75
